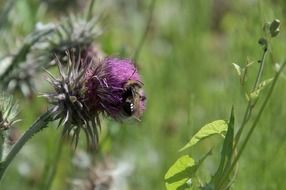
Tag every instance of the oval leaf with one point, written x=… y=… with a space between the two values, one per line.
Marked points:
x=179 y=174
x=218 y=127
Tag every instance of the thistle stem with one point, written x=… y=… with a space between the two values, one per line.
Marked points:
x=37 y=126
x=2 y=141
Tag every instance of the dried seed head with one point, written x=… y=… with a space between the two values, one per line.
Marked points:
x=69 y=104
x=105 y=175
x=73 y=34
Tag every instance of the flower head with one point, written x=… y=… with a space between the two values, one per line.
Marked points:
x=115 y=87
x=73 y=34
x=88 y=88
x=69 y=104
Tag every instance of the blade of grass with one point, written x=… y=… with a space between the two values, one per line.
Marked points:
x=147 y=29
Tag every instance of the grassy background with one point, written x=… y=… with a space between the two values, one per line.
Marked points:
x=189 y=81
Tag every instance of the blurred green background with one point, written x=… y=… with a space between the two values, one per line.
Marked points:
x=189 y=81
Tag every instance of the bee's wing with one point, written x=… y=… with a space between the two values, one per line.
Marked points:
x=137 y=109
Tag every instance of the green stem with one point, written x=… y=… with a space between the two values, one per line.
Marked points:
x=37 y=126
x=262 y=63
x=253 y=126
x=54 y=165
x=148 y=26
x=89 y=13
x=2 y=141
x=249 y=108
x=7 y=8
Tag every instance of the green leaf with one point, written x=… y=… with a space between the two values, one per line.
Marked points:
x=218 y=127
x=199 y=163
x=179 y=174
x=255 y=94
x=227 y=150
x=238 y=69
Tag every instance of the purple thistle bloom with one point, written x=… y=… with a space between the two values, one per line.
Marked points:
x=87 y=88
x=114 y=87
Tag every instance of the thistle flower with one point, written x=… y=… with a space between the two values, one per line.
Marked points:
x=115 y=88
x=88 y=88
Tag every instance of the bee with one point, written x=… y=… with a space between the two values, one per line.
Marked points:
x=132 y=97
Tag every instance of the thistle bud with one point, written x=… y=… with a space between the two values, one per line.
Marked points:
x=8 y=113
x=73 y=34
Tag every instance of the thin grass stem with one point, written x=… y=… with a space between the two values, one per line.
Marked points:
x=147 y=29
x=249 y=107
x=48 y=181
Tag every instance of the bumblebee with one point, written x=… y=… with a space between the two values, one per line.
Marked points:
x=132 y=98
